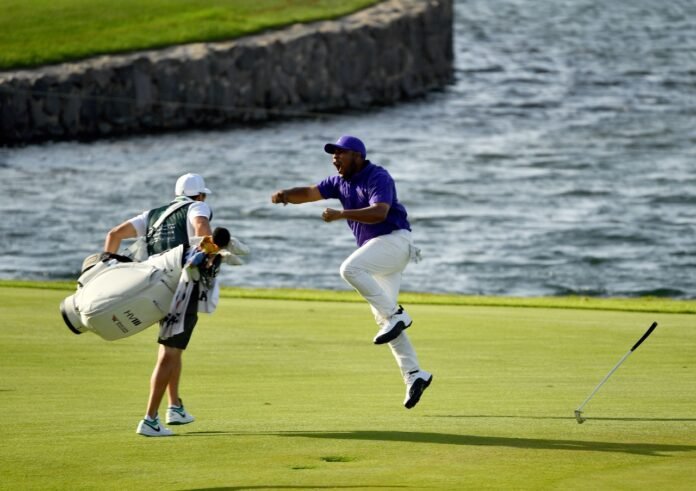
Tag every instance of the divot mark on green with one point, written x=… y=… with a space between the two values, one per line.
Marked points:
x=336 y=458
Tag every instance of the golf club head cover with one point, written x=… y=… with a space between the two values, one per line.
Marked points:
x=221 y=237
x=237 y=247
x=229 y=258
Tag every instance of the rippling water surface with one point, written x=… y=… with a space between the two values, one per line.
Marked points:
x=562 y=160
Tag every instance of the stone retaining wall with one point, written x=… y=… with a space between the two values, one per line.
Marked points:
x=395 y=50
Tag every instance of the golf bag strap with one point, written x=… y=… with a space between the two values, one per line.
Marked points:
x=172 y=208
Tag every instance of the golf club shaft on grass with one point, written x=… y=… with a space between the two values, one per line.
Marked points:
x=578 y=411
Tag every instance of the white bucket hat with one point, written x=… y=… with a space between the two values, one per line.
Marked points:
x=190 y=185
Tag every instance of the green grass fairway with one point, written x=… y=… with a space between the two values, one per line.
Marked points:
x=292 y=394
x=37 y=32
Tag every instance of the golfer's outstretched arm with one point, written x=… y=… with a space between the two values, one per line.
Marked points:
x=297 y=195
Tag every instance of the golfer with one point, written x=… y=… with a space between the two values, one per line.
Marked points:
x=380 y=226
x=188 y=217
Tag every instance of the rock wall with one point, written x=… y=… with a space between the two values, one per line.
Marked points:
x=395 y=50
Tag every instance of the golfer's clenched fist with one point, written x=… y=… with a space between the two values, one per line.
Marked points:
x=280 y=197
x=329 y=215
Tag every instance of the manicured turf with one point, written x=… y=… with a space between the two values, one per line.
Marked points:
x=38 y=32
x=292 y=395
x=636 y=304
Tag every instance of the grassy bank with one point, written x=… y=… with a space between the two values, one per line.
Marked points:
x=40 y=32
x=292 y=394
x=639 y=304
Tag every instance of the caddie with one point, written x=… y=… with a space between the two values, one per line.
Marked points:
x=183 y=221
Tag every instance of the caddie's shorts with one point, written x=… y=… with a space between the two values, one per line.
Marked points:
x=181 y=341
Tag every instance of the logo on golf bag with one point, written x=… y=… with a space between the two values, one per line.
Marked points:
x=134 y=320
x=119 y=324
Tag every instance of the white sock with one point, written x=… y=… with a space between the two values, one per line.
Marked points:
x=405 y=354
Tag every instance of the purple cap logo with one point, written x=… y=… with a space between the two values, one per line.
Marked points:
x=347 y=142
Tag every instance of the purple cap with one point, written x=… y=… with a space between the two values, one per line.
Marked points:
x=347 y=143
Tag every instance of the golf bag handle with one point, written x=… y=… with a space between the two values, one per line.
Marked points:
x=645 y=336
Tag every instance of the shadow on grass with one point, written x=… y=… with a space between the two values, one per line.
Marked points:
x=569 y=418
x=649 y=449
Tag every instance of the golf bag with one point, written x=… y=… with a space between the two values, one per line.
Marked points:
x=118 y=299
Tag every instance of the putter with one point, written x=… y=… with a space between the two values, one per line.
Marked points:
x=578 y=412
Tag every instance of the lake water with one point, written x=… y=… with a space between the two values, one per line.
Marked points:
x=561 y=161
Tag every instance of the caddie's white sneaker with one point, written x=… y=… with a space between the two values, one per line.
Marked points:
x=177 y=415
x=393 y=326
x=148 y=427
x=416 y=383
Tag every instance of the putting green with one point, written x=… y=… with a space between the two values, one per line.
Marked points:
x=291 y=394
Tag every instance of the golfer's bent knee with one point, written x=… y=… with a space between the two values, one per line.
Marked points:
x=349 y=272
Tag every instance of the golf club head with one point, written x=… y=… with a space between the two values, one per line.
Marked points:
x=578 y=416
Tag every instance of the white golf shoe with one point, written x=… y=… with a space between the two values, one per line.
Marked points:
x=416 y=383
x=148 y=427
x=392 y=327
x=177 y=415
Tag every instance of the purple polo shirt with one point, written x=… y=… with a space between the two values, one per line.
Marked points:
x=371 y=185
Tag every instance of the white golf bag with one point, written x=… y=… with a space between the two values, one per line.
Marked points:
x=115 y=300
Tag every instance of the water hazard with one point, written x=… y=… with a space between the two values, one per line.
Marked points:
x=562 y=161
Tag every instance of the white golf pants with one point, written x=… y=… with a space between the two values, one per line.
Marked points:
x=375 y=270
